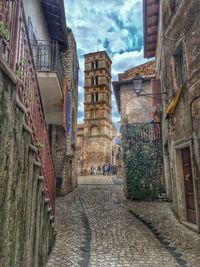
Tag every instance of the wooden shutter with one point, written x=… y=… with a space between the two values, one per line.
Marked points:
x=156 y=91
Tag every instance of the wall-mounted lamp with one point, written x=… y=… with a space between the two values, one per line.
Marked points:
x=137 y=86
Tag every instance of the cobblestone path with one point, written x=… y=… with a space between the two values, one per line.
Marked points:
x=94 y=228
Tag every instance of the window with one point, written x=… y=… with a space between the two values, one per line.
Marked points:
x=94 y=130
x=92 y=65
x=96 y=64
x=174 y=4
x=30 y=30
x=93 y=98
x=181 y=71
x=96 y=80
x=179 y=64
x=92 y=80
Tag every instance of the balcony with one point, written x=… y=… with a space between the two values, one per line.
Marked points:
x=50 y=76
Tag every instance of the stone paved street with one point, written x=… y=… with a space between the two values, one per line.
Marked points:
x=96 y=226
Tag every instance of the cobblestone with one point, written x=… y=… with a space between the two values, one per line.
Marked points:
x=160 y=215
x=95 y=228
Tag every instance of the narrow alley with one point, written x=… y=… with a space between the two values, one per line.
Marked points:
x=97 y=226
x=99 y=133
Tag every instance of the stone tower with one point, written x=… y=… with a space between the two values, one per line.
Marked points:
x=98 y=127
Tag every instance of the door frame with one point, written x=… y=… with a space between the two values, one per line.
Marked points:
x=180 y=184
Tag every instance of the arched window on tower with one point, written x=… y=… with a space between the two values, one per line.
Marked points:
x=94 y=130
x=97 y=97
x=96 y=80
x=93 y=100
x=92 y=80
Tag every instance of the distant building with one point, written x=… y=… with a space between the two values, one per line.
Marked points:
x=134 y=109
x=140 y=131
x=171 y=34
x=96 y=134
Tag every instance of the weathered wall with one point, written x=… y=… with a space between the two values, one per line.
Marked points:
x=136 y=109
x=183 y=128
x=26 y=233
x=98 y=151
x=144 y=70
x=63 y=158
x=63 y=143
x=95 y=149
x=34 y=11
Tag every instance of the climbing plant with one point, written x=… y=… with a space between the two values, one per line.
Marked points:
x=143 y=162
x=4 y=32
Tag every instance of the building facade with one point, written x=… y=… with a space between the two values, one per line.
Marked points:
x=134 y=109
x=96 y=135
x=63 y=141
x=37 y=56
x=140 y=129
x=31 y=98
x=175 y=44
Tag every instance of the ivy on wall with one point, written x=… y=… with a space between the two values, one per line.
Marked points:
x=143 y=161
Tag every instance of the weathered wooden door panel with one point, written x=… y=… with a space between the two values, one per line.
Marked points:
x=189 y=187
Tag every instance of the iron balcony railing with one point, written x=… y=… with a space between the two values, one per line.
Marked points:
x=146 y=132
x=47 y=58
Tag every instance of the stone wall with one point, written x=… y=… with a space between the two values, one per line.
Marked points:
x=95 y=149
x=26 y=233
x=183 y=127
x=136 y=109
x=144 y=70
x=98 y=151
x=63 y=143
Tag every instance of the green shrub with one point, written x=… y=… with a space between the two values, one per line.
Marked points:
x=4 y=32
x=143 y=163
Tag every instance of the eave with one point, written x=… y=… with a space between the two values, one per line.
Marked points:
x=150 y=22
x=54 y=12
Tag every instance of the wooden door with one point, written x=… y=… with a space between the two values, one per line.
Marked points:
x=189 y=187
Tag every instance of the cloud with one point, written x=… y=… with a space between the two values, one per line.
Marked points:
x=114 y=26
x=125 y=61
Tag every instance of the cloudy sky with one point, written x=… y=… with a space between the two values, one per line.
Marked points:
x=111 y=25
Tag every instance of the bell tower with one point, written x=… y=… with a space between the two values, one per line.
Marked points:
x=97 y=90
x=97 y=108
